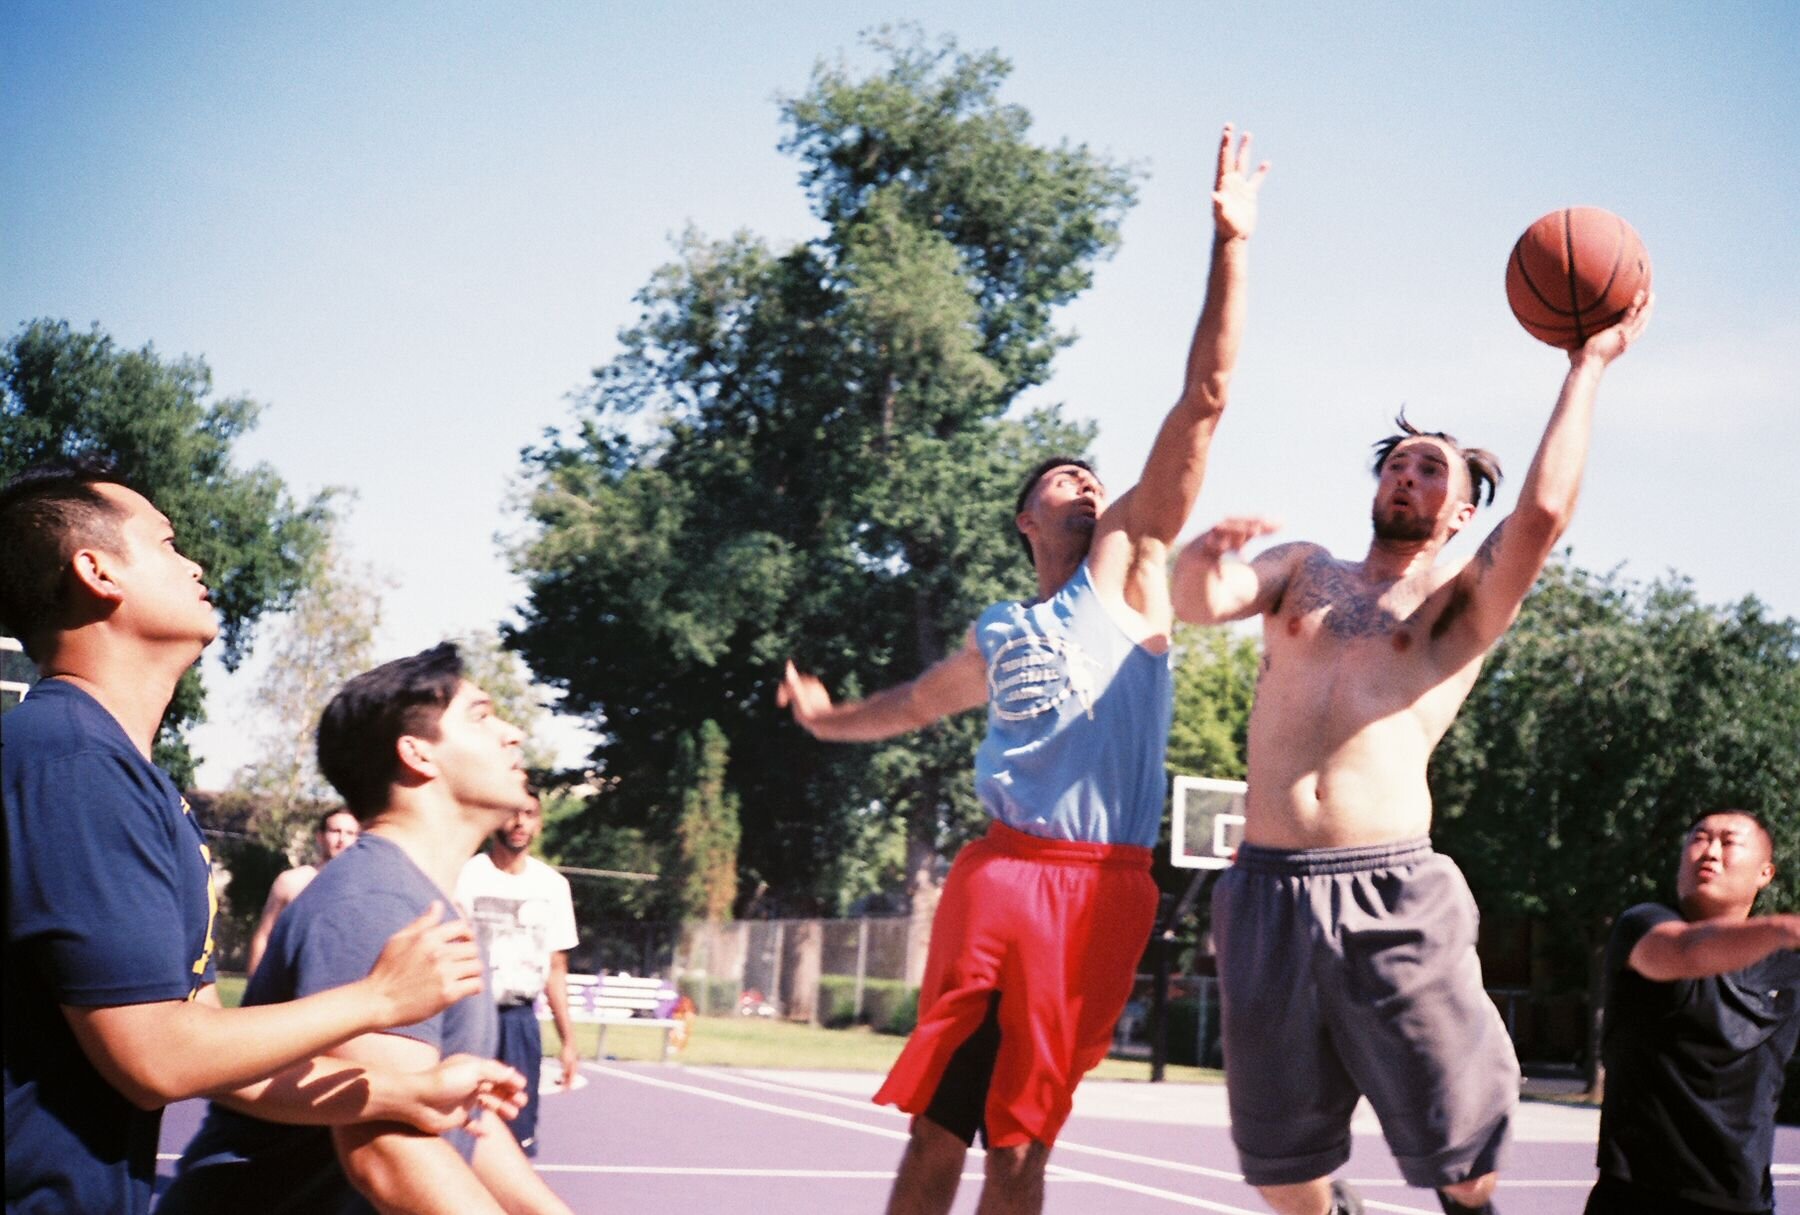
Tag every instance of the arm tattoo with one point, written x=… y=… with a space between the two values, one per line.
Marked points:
x=1489 y=551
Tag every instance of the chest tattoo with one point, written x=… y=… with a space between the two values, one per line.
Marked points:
x=1355 y=609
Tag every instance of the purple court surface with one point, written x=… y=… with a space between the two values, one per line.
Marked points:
x=672 y=1138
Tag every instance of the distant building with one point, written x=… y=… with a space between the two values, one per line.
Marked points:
x=17 y=673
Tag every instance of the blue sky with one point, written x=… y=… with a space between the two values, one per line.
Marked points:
x=411 y=230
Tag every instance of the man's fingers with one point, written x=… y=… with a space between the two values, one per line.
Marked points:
x=1243 y=152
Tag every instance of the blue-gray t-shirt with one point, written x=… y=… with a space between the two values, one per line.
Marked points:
x=109 y=901
x=329 y=936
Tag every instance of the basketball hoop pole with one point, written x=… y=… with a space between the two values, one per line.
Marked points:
x=1164 y=942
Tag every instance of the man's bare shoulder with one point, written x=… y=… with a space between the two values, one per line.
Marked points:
x=292 y=882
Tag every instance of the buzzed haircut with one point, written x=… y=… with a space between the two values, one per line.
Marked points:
x=1031 y=480
x=362 y=726
x=1483 y=465
x=48 y=513
x=1761 y=825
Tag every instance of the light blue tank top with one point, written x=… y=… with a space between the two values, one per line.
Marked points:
x=1078 y=721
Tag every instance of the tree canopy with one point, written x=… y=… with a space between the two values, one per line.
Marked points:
x=65 y=393
x=809 y=452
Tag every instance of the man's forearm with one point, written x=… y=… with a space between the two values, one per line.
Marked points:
x=160 y=1053
x=507 y=1175
x=403 y=1172
x=556 y=993
x=1717 y=947
x=1547 y=498
x=885 y=714
x=1212 y=355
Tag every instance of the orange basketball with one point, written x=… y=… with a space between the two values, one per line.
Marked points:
x=1574 y=273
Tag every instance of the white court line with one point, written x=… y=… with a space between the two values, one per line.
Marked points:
x=1186 y=1200
x=1062 y=1145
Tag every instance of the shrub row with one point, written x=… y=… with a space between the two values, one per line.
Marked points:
x=889 y=1005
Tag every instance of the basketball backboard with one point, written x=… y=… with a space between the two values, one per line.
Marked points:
x=1209 y=822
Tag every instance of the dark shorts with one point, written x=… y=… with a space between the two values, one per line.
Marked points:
x=1033 y=951
x=522 y=1048
x=1348 y=972
x=1613 y=1196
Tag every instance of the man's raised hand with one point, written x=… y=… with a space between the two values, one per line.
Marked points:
x=1609 y=344
x=804 y=695
x=1230 y=535
x=426 y=967
x=1235 y=187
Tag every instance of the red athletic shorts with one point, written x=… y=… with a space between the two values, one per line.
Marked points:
x=1033 y=952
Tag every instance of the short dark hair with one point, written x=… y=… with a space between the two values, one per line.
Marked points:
x=1762 y=824
x=363 y=723
x=325 y=819
x=1031 y=480
x=1483 y=465
x=47 y=513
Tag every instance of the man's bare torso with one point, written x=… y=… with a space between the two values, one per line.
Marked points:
x=1355 y=692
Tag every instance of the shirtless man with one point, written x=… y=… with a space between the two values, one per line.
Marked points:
x=337 y=831
x=1346 y=946
x=1037 y=936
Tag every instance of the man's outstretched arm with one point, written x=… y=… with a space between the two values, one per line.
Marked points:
x=163 y=1051
x=948 y=686
x=1211 y=585
x=1158 y=506
x=1676 y=949
x=1511 y=558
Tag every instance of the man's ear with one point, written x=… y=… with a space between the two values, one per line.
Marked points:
x=418 y=763
x=94 y=571
x=1461 y=518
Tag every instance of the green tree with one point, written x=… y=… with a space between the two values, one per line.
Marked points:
x=517 y=697
x=65 y=393
x=313 y=649
x=1608 y=718
x=1215 y=683
x=707 y=835
x=808 y=452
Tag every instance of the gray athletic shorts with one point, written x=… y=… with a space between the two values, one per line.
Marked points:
x=1348 y=972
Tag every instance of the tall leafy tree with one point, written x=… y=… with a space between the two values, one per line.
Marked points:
x=65 y=393
x=708 y=834
x=313 y=649
x=809 y=452
x=1611 y=716
x=1215 y=683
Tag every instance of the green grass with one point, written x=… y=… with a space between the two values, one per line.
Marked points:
x=765 y=1043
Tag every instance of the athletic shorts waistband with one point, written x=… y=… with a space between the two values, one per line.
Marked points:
x=1317 y=862
x=1014 y=842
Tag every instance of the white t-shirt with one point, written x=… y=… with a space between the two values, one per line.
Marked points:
x=521 y=918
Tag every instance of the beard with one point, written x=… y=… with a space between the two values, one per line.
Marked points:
x=1404 y=528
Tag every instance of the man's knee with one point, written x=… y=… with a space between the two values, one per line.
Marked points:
x=1468 y=1197
x=1021 y=1162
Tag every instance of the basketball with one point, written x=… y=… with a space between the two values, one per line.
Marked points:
x=1573 y=273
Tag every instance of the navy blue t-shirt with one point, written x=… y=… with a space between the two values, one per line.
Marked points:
x=329 y=936
x=109 y=901
x=1694 y=1073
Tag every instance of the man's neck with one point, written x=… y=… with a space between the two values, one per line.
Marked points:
x=1695 y=911
x=436 y=834
x=134 y=683
x=1395 y=560
x=1055 y=570
x=506 y=860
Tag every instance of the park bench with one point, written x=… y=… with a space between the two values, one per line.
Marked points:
x=606 y=1000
